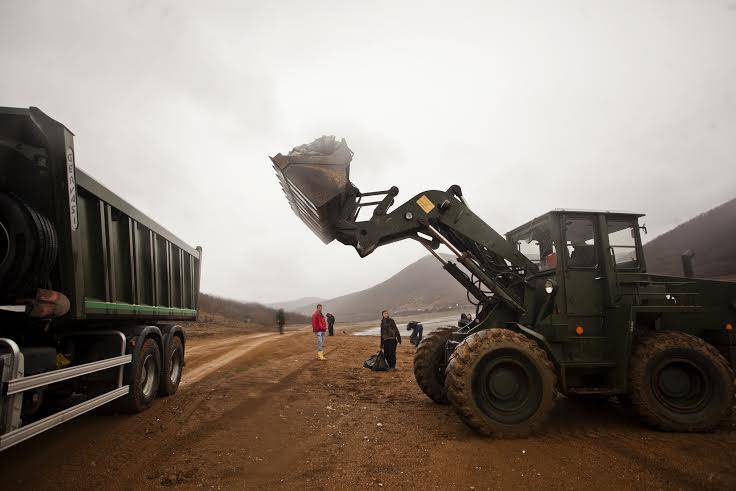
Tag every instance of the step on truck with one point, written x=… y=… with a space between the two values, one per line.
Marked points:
x=91 y=289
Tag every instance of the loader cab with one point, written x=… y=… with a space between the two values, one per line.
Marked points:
x=579 y=247
x=579 y=254
x=572 y=298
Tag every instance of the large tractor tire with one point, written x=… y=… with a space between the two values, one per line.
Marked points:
x=429 y=364
x=146 y=377
x=28 y=248
x=678 y=382
x=501 y=383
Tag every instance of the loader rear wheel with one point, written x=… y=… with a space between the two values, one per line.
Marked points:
x=429 y=364
x=678 y=382
x=501 y=383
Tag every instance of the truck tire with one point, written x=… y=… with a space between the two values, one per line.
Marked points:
x=144 y=385
x=173 y=366
x=28 y=248
x=429 y=364
x=678 y=382
x=501 y=383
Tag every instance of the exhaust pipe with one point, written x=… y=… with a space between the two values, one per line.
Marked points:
x=687 y=263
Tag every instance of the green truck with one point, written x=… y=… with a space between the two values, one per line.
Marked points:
x=91 y=289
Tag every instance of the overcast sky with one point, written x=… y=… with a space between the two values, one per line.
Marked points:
x=527 y=105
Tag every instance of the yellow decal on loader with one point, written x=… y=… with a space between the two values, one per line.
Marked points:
x=425 y=204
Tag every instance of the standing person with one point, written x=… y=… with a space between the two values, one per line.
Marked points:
x=330 y=324
x=319 y=327
x=389 y=337
x=281 y=320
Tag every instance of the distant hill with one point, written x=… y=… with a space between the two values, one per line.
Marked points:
x=298 y=304
x=249 y=312
x=711 y=235
x=421 y=286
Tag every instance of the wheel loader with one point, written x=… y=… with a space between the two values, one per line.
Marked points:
x=564 y=304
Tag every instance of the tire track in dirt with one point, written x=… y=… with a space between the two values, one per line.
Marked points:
x=182 y=441
x=253 y=341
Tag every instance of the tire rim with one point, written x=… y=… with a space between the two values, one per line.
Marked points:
x=148 y=377
x=175 y=370
x=507 y=386
x=681 y=385
x=4 y=244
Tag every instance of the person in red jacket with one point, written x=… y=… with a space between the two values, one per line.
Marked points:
x=319 y=326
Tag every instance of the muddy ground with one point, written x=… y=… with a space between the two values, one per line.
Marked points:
x=258 y=411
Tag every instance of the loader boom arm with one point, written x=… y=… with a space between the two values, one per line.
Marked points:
x=442 y=217
x=315 y=180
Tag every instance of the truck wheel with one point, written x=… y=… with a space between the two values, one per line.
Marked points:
x=678 y=382
x=429 y=364
x=146 y=377
x=501 y=383
x=173 y=367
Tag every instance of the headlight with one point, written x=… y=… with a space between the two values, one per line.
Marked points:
x=550 y=286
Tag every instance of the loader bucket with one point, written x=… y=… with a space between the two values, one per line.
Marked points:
x=315 y=180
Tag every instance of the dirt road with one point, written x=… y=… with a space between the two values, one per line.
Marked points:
x=260 y=412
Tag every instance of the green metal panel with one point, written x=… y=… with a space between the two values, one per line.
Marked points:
x=96 y=308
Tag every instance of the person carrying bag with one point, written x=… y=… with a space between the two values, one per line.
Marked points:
x=390 y=337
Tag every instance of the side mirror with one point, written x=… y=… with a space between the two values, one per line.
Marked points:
x=644 y=228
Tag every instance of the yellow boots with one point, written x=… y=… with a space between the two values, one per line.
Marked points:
x=321 y=355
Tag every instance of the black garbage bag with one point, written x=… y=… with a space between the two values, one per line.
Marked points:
x=376 y=362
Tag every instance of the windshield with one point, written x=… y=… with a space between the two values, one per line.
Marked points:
x=535 y=242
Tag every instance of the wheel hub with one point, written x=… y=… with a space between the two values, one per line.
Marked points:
x=674 y=382
x=507 y=386
x=148 y=375
x=175 y=366
x=503 y=383
x=681 y=385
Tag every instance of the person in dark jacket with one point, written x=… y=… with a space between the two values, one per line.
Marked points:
x=281 y=320
x=417 y=330
x=463 y=321
x=330 y=324
x=389 y=338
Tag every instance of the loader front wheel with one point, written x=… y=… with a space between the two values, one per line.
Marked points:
x=429 y=364
x=678 y=382
x=501 y=383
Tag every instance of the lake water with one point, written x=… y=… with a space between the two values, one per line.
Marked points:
x=430 y=323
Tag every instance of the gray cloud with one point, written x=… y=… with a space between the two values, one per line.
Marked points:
x=176 y=105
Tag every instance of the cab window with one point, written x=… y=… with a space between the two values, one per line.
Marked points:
x=580 y=242
x=536 y=244
x=622 y=243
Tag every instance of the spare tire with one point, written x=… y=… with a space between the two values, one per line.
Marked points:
x=28 y=248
